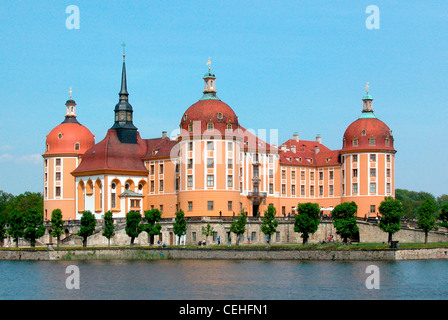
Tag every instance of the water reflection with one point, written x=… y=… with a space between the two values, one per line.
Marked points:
x=227 y=280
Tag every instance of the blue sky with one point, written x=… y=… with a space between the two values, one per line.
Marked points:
x=295 y=66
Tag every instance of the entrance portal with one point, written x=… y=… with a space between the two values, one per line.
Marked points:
x=255 y=208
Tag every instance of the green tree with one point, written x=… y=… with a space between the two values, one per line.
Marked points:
x=180 y=225
x=109 y=228
x=207 y=231
x=306 y=221
x=426 y=216
x=268 y=223
x=152 y=226
x=344 y=219
x=57 y=224
x=16 y=225
x=411 y=200
x=443 y=215
x=88 y=225
x=33 y=226
x=133 y=225
x=391 y=213
x=3 y=224
x=238 y=226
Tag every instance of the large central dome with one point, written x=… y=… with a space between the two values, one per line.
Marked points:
x=209 y=115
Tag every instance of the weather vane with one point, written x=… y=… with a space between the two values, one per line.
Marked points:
x=70 y=91
x=367 y=87
x=209 y=63
x=124 y=49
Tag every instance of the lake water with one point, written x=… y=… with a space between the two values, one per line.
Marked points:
x=223 y=280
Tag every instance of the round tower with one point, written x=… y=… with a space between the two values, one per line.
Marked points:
x=367 y=158
x=209 y=155
x=64 y=146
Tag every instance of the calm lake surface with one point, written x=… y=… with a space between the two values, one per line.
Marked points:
x=223 y=280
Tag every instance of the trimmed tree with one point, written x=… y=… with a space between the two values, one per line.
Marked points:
x=426 y=216
x=443 y=215
x=391 y=213
x=344 y=219
x=152 y=226
x=238 y=226
x=109 y=228
x=33 y=226
x=133 y=225
x=269 y=224
x=306 y=221
x=207 y=231
x=16 y=225
x=88 y=225
x=57 y=224
x=180 y=225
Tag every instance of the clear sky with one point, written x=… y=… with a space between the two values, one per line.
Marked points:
x=295 y=66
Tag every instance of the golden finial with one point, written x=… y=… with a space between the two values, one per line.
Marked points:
x=70 y=91
x=124 y=49
x=209 y=63
x=367 y=87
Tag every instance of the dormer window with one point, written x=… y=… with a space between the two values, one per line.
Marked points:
x=185 y=117
x=355 y=142
x=210 y=126
x=77 y=146
x=372 y=141
x=219 y=116
x=59 y=135
x=363 y=132
x=190 y=127
x=229 y=126
x=387 y=142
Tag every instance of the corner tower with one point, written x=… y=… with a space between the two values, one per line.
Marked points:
x=367 y=158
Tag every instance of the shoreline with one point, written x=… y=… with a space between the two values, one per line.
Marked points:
x=224 y=253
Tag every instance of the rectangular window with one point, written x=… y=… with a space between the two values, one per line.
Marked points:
x=388 y=173
x=321 y=190
x=229 y=163
x=190 y=205
x=113 y=203
x=293 y=175
x=311 y=190
x=355 y=173
x=373 y=187
x=312 y=175
x=229 y=205
x=209 y=205
x=151 y=169
x=355 y=158
x=210 y=180
x=388 y=187
x=190 y=164
x=253 y=236
x=372 y=208
x=229 y=181
x=161 y=208
x=283 y=188
x=256 y=173
x=283 y=174
x=271 y=188
x=190 y=146
x=161 y=185
x=161 y=169
x=271 y=173
x=293 y=189
x=372 y=141
x=302 y=175
x=373 y=157
x=283 y=210
x=58 y=161
x=372 y=172
x=229 y=146
x=210 y=145
x=331 y=191
x=355 y=188
x=190 y=181
x=58 y=191
x=321 y=175
x=210 y=163
x=388 y=157
x=152 y=185
x=302 y=190
x=58 y=176
x=331 y=175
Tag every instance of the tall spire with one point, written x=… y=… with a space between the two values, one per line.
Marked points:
x=127 y=132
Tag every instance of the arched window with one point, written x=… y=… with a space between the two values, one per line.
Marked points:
x=77 y=145
x=81 y=196
x=229 y=126
x=210 y=126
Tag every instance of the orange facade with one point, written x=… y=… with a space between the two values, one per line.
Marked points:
x=216 y=167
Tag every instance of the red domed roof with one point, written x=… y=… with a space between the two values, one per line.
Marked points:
x=209 y=111
x=368 y=133
x=69 y=137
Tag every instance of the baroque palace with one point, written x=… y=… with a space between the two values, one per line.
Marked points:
x=215 y=167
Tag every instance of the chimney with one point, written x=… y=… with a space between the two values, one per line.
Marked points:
x=164 y=135
x=319 y=139
x=295 y=136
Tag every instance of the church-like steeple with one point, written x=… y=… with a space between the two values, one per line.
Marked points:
x=70 y=113
x=367 y=110
x=127 y=132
